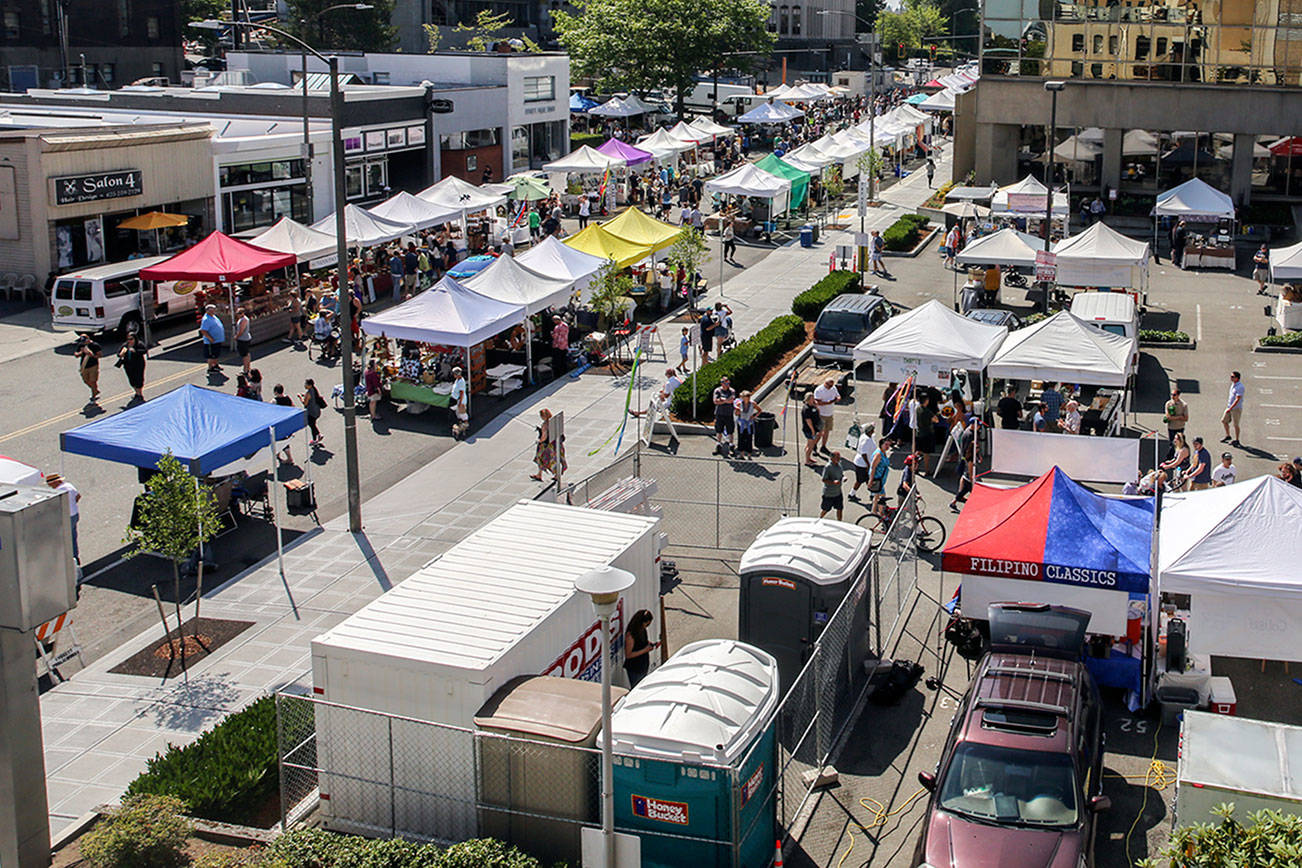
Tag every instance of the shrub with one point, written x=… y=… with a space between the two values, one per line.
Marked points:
x=1288 y=339
x=486 y=853
x=1267 y=838
x=147 y=831
x=1156 y=336
x=316 y=848
x=590 y=139
x=903 y=235
x=810 y=303
x=227 y=774
x=744 y=365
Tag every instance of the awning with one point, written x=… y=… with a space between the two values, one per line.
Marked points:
x=662 y=144
x=1053 y=530
x=630 y=155
x=1005 y=247
x=302 y=242
x=506 y=280
x=202 y=428
x=770 y=113
x=584 y=161
x=799 y=180
x=1099 y=256
x=456 y=193
x=1195 y=199
x=218 y=259
x=446 y=313
x=552 y=258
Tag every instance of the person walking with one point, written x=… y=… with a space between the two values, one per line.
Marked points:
x=724 y=419
x=1200 y=474
x=876 y=252
x=746 y=411
x=1176 y=415
x=863 y=453
x=397 y=269
x=833 y=476
x=585 y=211
x=684 y=349
x=931 y=172
x=131 y=359
x=279 y=398
x=460 y=397
x=1179 y=236
x=810 y=421
x=410 y=268
x=372 y=381
x=729 y=236
x=213 y=334
x=549 y=456
x=1233 y=410
x=879 y=468
x=1261 y=269
x=87 y=354
x=826 y=397
x=297 y=320
x=638 y=647
x=243 y=339
x=313 y=404
x=57 y=482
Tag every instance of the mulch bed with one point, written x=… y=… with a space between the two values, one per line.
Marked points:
x=161 y=658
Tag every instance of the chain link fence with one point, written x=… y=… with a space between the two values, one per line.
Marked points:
x=384 y=775
x=896 y=559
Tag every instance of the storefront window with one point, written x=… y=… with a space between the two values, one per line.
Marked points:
x=253 y=209
x=367 y=178
x=78 y=242
x=244 y=174
x=519 y=148
x=353 y=180
x=376 y=175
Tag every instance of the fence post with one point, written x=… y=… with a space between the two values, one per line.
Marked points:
x=280 y=762
x=821 y=717
x=718 y=502
x=393 y=796
x=877 y=598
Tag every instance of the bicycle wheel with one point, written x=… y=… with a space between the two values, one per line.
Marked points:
x=875 y=523
x=931 y=533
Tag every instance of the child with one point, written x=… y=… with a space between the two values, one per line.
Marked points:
x=684 y=347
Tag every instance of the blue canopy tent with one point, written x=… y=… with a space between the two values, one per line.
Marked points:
x=580 y=103
x=201 y=428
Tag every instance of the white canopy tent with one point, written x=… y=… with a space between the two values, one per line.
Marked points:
x=616 y=108
x=552 y=258
x=706 y=125
x=14 y=472
x=928 y=343
x=770 y=113
x=805 y=93
x=662 y=144
x=778 y=92
x=1077 y=149
x=1065 y=348
x=454 y=192
x=967 y=210
x=584 y=161
x=1285 y=263
x=1006 y=199
x=1005 y=247
x=506 y=280
x=942 y=101
x=1102 y=256
x=402 y=207
x=847 y=153
x=684 y=132
x=748 y=180
x=1234 y=550
x=1195 y=199
x=811 y=155
x=364 y=229
x=288 y=236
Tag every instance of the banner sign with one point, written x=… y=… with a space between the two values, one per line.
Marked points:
x=72 y=189
x=1027 y=202
x=1046 y=266
x=1104 y=580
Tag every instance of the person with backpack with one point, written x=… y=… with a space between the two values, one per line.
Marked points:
x=313 y=404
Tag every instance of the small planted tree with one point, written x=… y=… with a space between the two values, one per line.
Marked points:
x=611 y=298
x=871 y=162
x=1267 y=838
x=691 y=252
x=177 y=517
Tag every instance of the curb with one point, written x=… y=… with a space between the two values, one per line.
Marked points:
x=1170 y=345
x=917 y=248
x=1291 y=351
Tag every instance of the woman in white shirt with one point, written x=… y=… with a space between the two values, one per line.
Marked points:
x=1071 y=420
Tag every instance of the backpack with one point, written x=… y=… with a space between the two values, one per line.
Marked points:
x=899 y=680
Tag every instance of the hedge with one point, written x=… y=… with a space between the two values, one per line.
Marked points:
x=810 y=303
x=743 y=365
x=904 y=234
x=1288 y=339
x=589 y=139
x=228 y=774
x=1156 y=336
x=316 y=848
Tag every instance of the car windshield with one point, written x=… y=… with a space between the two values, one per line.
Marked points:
x=834 y=321
x=1003 y=785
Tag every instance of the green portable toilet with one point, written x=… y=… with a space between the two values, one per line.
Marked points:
x=695 y=761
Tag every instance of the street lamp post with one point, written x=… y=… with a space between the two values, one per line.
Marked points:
x=1054 y=88
x=345 y=307
x=604 y=585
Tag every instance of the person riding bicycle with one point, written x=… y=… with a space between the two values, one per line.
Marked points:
x=907 y=476
x=878 y=469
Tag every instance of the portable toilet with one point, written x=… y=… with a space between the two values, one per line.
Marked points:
x=538 y=787
x=695 y=760
x=793 y=578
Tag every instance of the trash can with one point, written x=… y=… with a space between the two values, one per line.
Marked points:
x=695 y=758
x=815 y=226
x=807 y=235
x=1175 y=701
x=765 y=424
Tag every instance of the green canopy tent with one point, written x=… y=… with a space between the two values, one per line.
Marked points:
x=799 y=180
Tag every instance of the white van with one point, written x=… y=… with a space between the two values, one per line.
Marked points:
x=1111 y=311
x=107 y=297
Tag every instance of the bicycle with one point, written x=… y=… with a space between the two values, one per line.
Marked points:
x=930 y=535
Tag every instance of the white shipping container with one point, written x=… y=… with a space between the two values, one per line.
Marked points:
x=1261 y=771
x=499 y=604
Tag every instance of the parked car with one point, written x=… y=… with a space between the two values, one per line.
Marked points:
x=1019 y=781
x=844 y=322
x=996 y=316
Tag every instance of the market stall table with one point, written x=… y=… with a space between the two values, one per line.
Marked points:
x=1209 y=256
x=501 y=377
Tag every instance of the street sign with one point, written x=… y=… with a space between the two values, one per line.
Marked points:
x=1046 y=266
x=863 y=195
x=440 y=106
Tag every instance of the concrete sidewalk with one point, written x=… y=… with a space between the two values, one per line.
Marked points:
x=100 y=728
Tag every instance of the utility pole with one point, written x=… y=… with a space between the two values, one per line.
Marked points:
x=1054 y=88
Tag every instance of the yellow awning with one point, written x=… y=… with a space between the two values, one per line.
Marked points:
x=598 y=242
x=638 y=228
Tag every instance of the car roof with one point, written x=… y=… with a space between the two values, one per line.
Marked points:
x=1015 y=682
x=992 y=315
x=1096 y=305
x=855 y=301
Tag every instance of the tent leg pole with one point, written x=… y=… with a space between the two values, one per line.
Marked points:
x=275 y=509
x=528 y=347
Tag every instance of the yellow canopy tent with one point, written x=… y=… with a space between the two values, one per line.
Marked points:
x=596 y=241
x=639 y=228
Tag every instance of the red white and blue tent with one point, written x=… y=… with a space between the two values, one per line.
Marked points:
x=1054 y=530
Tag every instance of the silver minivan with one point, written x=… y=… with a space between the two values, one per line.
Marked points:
x=847 y=319
x=105 y=298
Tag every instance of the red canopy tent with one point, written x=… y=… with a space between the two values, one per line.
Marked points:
x=218 y=259
x=1290 y=147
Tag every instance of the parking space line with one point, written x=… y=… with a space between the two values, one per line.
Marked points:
x=1287 y=439
x=1284 y=406
x=1198 y=314
x=1267 y=377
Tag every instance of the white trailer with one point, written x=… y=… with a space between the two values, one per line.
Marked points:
x=1253 y=763
x=499 y=604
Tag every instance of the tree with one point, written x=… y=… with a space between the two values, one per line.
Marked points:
x=910 y=26
x=690 y=251
x=343 y=29
x=642 y=45
x=433 y=36
x=611 y=294
x=202 y=10
x=866 y=12
x=177 y=516
x=1269 y=838
x=488 y=28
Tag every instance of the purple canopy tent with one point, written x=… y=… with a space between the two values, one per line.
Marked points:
x=622 y=150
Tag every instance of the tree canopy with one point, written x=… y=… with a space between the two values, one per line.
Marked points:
x=343 y=29
x=911 y=26
x=642 y=45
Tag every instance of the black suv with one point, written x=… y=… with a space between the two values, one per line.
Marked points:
x=1019 y=782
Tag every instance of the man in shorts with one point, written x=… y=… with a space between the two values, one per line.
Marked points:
x=810 y=422
x=1233 y=409
x=826 y=396
x=878 y=469
x=724 y=421
x=213 y=333
x=460 y=406
x=863 y=453
x=833 y=476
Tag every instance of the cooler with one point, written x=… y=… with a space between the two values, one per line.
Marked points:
x=695 y=760
x=1223 y=700
x=793 y=578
